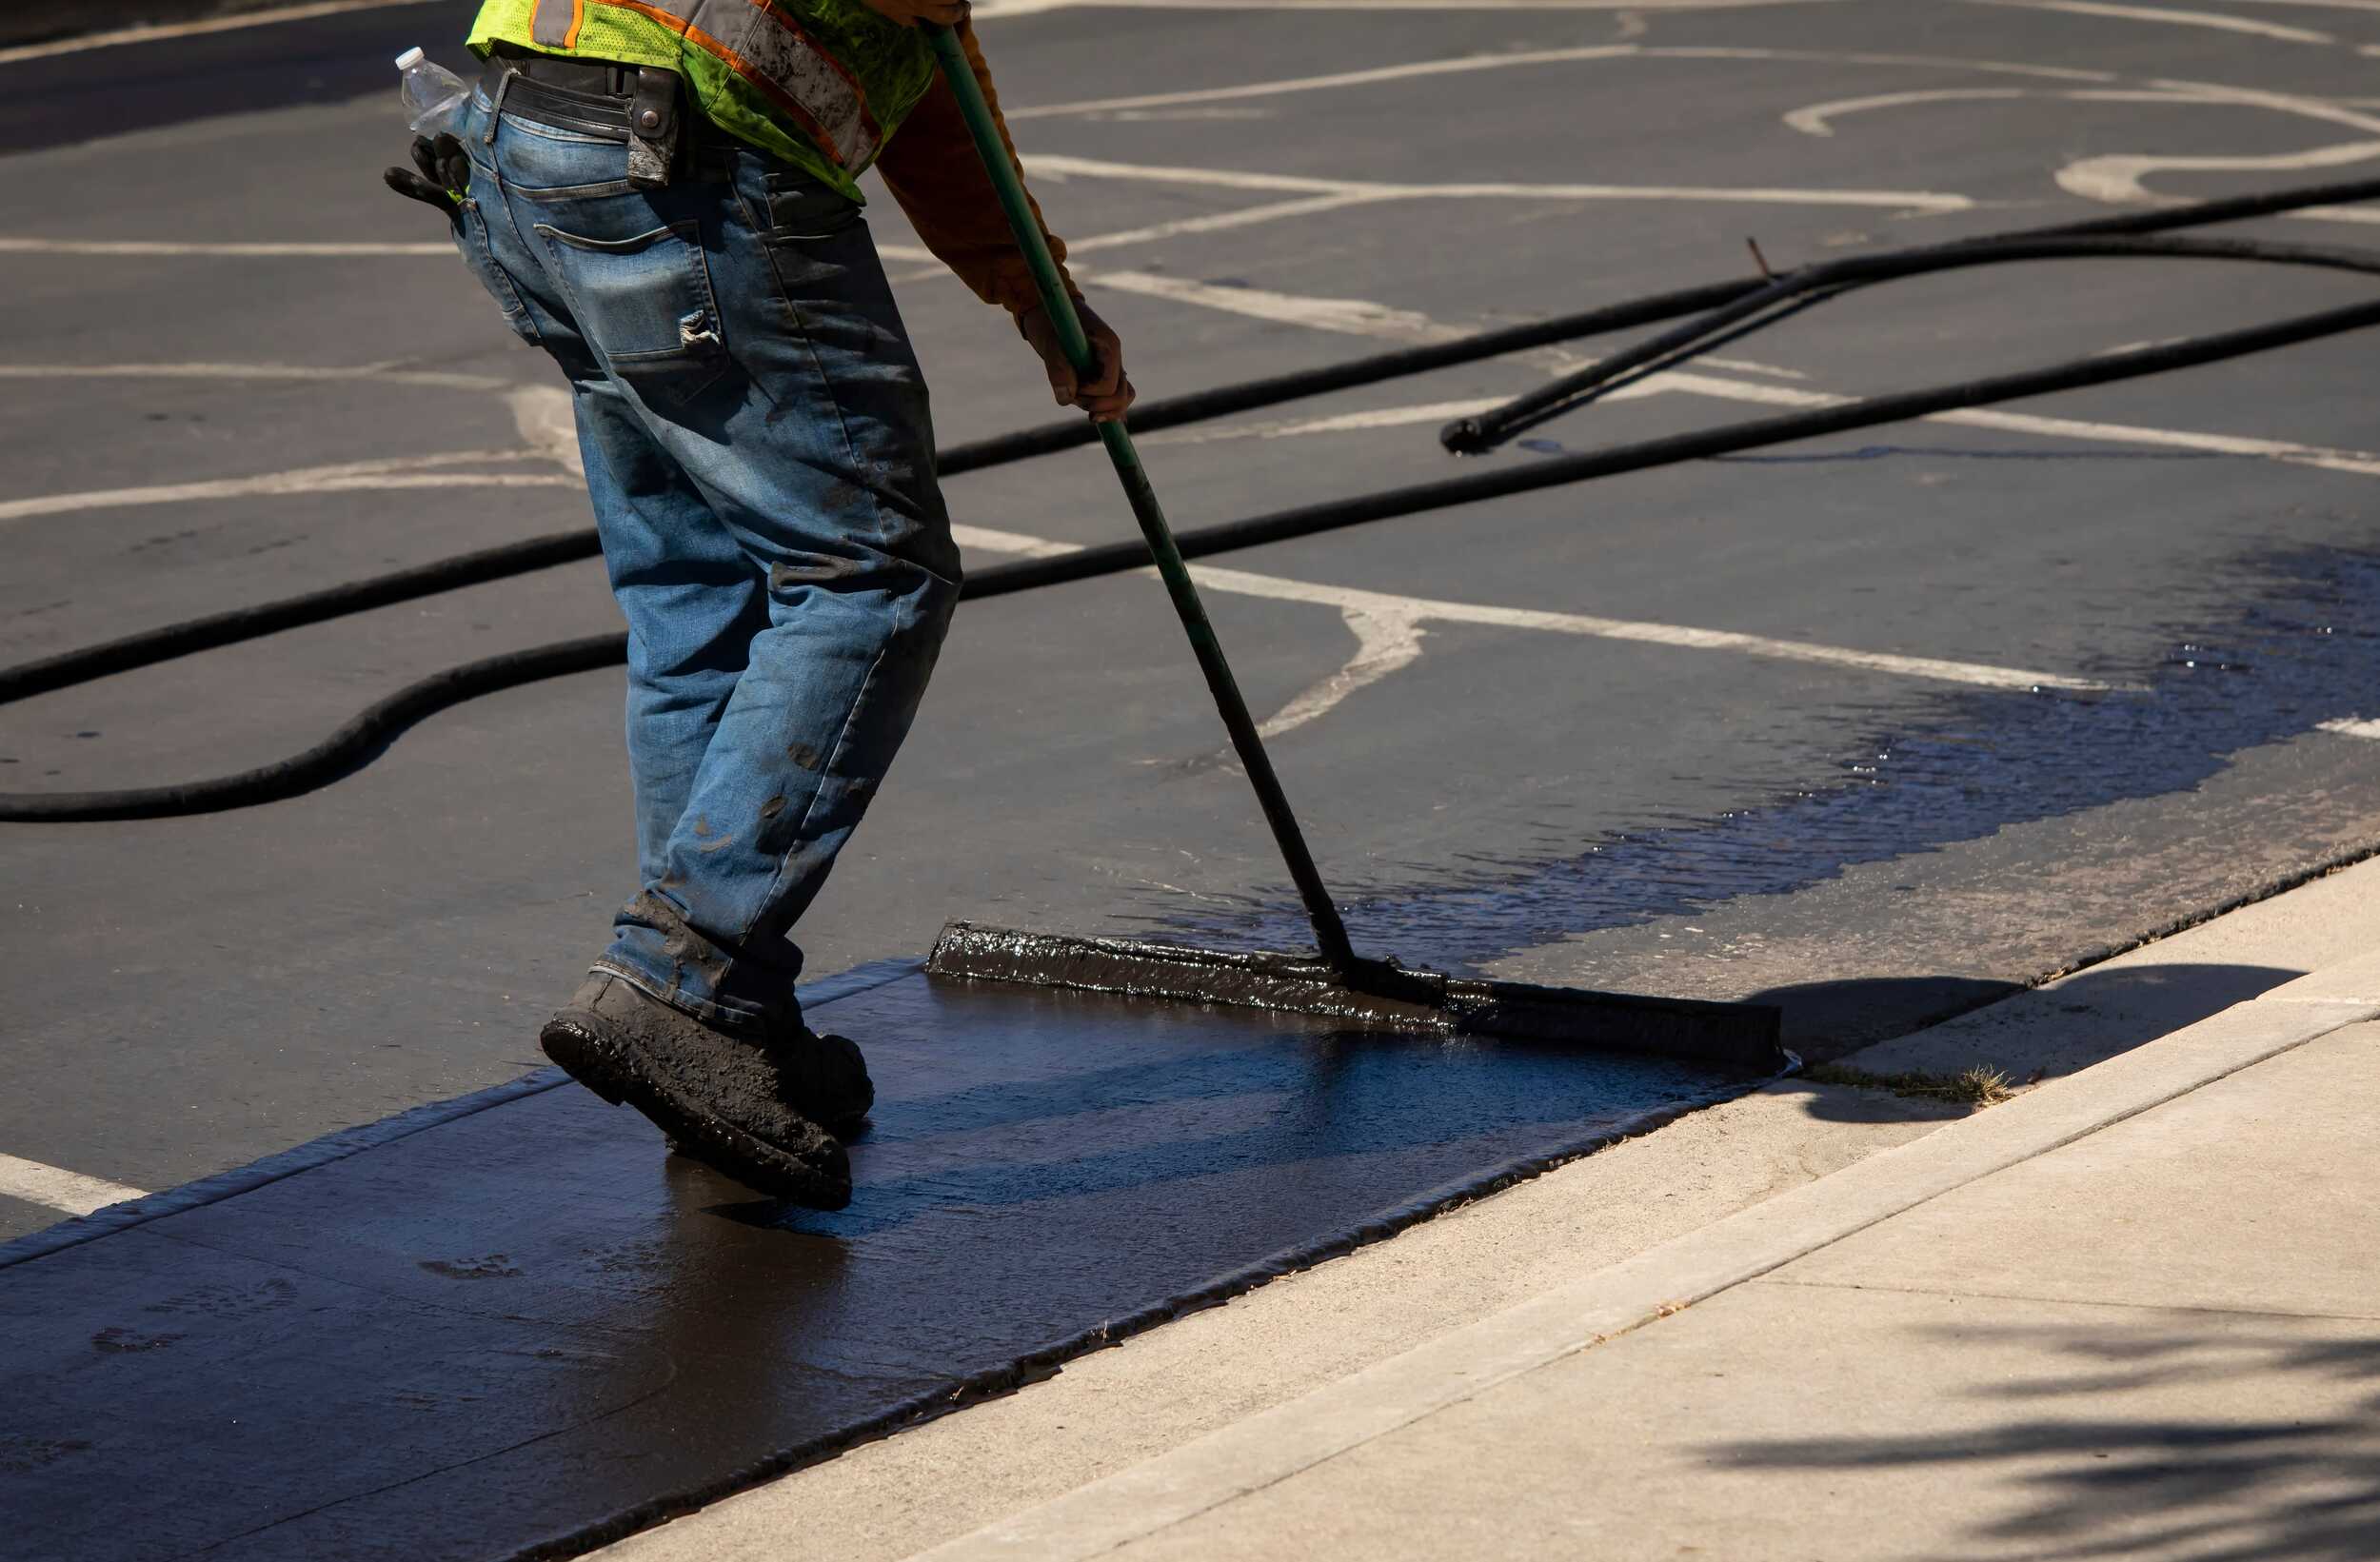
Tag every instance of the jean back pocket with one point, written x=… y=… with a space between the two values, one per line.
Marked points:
x=646 y=303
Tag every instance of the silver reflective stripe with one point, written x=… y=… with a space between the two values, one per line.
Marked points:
x=554 y=22
x=768 y=48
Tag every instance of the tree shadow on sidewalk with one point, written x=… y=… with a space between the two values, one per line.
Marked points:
x=2119 y=1474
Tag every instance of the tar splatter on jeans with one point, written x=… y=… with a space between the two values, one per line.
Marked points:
x=760 y=460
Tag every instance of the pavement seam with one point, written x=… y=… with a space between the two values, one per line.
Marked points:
x=1252 y=1454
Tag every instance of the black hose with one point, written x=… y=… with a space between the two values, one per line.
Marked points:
x=341 y=753
x=226 y=628
x=1109 y=558
x=1485 y=431
x=371 y=732
x=218 y=629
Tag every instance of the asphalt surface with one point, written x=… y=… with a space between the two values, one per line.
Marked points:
x=572 y=1336
x=1877 y=848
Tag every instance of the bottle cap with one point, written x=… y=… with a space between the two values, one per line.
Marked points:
x=411 y=58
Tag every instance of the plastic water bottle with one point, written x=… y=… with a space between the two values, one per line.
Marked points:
x=433 y=94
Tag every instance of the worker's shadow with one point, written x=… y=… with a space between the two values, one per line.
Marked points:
x=1945 y=1025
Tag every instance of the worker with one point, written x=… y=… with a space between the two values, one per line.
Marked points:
x=662 y=195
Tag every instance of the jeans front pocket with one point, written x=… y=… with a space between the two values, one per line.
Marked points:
x=647 y=303
x=470 y=237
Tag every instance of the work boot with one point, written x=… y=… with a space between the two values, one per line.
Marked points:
x=825 y=1078
x=720 y=1099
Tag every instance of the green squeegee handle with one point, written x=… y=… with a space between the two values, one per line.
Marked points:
x=1329 y=932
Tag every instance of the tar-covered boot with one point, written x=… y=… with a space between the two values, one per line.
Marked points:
x=823 y=1078
x=722 y=1100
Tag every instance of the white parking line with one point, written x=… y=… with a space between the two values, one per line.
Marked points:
x=2116 y=178
x=1337 y=78
x=55 y=1188
x=1350 y=316
x=1218 y=222
x=2173 y=18
x=1061 y=166
x=155 y=32
x=1390 y=608
x=1817 y=119
x=162 y=246
x=388 y=373
x=345 y=477
x=2363 y=464
x=1339 y=423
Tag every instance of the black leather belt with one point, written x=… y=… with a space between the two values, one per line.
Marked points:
x=642 y=105
x=590 y=95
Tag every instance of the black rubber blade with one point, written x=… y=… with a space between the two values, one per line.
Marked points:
x=1385 y=996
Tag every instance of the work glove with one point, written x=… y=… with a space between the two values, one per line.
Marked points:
x=446 y=173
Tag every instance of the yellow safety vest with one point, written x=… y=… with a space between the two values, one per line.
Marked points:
x=822 y=84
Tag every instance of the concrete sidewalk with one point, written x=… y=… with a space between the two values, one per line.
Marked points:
x=2131 y=1312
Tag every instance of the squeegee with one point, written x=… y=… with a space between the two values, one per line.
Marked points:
x=1333 y=981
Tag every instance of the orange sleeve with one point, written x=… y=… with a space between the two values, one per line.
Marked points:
x=931 y=167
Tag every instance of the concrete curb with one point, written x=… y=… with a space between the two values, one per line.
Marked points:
x=1278 y=1443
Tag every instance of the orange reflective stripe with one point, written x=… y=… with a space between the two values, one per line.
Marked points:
x=555 y=23
x=823 y=98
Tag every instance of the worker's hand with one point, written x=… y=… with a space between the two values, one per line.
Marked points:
x=910 y=13
x=446 y=173
x=1107 y=393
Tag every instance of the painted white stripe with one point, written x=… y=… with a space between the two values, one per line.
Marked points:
x=549 y=426
x=2318 y=5
x=2349 y=727
x=1337 y=78
x=1545 y=56
x=1818 y=118
x=155 y=32
x=159 y=247
x=1347 y=599
x=1386 y=609
x=2217 y=20
x=1835 y=56
x=347 y=477
x=1221 y=220
x=55 y=1188
x=1348 y=316
x=2116 y=178
x=993 y=541
x=1344 y=423
x=387 y=373
x=1061 y=165
x=1385 y=644
x=2361 y=462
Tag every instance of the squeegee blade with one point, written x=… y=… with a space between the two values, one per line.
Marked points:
x=1743 y=1035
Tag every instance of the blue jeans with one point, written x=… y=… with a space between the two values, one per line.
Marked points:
x=762 y=465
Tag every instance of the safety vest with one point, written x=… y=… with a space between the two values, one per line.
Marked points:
x=822 y=84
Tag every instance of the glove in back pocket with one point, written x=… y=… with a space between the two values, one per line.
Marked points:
x=470 y=237
x=646 y=305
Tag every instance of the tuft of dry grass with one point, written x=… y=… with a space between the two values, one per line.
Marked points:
x=1977 y=1086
